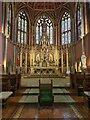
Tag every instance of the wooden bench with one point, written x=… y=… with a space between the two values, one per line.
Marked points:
x=10 y=82
x=13 y=83
x=87 y=94
x=18 y=81
x=86 y=83
x=4 y=96
x=5 y=83
x=79 y=78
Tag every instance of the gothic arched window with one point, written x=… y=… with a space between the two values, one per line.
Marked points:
x=22 y=30
x=66 y=29
x=78 y=22
x=44 y=25
x=9 y=20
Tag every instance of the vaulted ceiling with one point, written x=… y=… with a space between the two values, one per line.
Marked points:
x=53 y=9
x=46 y=5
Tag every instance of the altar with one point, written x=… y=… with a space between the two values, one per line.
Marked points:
x=44 y=57
x=44 y=71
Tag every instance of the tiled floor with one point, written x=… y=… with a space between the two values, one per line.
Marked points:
x=61 y=111
x=77 y=110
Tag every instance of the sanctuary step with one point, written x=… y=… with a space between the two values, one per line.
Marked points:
x=35 y=91
x=57 y=99
x=34 y=82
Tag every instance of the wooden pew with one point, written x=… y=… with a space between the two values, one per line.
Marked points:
x=13 y=83
x=10 y=82
x=18 y=80
x=4 y=82
x=86 y=86
x=86 y=82
x=87 y=95
x=79 y=78
x=72 y=80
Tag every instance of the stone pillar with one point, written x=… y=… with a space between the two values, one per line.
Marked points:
x=21 y=58
x=56 y=35
x=30 y=58
x=32 y=35
x=61 y=60
x=72 y=47
x=88 y=15
x=14 y=65
x=5 y=55
x=82 y=29
x=86 y=27
x=67 y=59
x=26 y=61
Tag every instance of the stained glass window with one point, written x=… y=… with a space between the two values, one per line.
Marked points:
x=44 y=24
x=22 y=27
x=79 y=23
x=66 y=28
x=9 y=19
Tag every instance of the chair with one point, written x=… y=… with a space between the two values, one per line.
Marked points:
x=45 y=97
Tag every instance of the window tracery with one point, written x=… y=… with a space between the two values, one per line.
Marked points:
x=44 y=25
x=22 y=27
x=66 y=29
x=79 y=22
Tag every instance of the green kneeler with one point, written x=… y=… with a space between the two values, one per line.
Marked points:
x=45 y=94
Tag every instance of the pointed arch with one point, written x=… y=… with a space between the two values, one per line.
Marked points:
x=48 y=28
x=22 y=27
x=66 y=28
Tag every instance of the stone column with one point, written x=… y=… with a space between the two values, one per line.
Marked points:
x=26 y=61
x=32 y=35
x=61 y=60
x=14 y=65
x=5 y=55
x=72 y=47
x=82 y=30
x=56 y=35
x=21 y=58
x=86 y=27
x=66 y=59
x=29 y=58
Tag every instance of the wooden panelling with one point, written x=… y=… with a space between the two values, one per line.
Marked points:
x=10 y=82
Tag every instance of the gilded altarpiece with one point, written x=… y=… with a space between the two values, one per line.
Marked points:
x=44 y=58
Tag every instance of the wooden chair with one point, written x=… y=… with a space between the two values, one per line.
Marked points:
x=45 y=97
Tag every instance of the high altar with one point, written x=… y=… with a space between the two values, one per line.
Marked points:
x=44 y=58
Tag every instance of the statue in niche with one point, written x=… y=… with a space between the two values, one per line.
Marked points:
x=50 y=58
x=44 y=54
x=38 y=59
